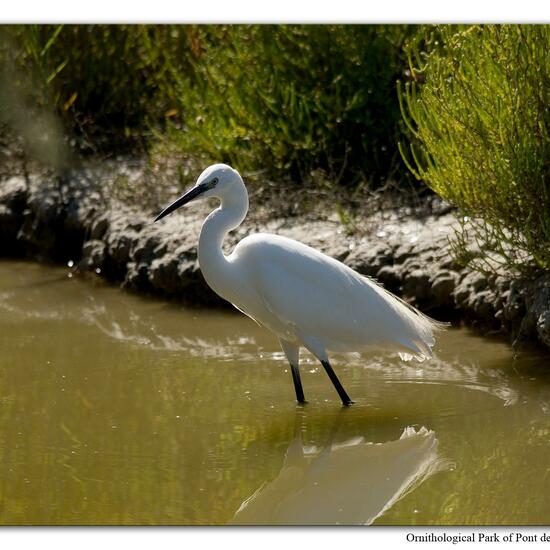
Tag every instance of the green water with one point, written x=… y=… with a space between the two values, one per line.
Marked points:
x=117 y=409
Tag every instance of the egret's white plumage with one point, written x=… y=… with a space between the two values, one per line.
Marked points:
x=305 y=297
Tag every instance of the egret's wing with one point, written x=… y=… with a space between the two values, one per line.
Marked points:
x=313 y=294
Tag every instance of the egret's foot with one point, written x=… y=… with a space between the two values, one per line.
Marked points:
x=302 y=403
x=348 y=403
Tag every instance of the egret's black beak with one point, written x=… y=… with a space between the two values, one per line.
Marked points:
x=188 y=197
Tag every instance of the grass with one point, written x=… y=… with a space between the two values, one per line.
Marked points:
x=288 y=99
x=293 y=99
x=106 y=85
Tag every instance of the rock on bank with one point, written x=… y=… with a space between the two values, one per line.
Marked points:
x=69 y=219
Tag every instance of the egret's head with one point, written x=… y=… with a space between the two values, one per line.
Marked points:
x=218 y=180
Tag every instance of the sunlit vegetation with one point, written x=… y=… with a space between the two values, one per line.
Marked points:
x=477 y=111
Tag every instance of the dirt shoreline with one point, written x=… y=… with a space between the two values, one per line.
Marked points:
x=70 y=221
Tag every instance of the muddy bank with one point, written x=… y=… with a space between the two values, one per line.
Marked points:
x=71 y=221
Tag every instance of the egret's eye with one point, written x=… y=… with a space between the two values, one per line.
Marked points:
x=207 y=185
x=212 y=183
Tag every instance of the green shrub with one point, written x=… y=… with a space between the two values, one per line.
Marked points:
x=296 y=98
x=478 y=112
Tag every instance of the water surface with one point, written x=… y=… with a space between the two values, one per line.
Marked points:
x=117 y=409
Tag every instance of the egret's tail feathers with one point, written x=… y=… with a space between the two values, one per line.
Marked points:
x=418 y=329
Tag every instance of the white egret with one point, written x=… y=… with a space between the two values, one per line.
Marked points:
x=305 y=297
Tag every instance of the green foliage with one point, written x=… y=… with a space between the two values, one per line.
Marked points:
x=295 y=98
x=27 y=113
x=119 y=75
x=477 y=110
x=281 y=98
x=106 y=83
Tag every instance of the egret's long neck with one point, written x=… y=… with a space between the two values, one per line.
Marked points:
x=215 y=267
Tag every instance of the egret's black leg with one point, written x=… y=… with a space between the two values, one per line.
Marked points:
x=346 y=401
x=297 y=384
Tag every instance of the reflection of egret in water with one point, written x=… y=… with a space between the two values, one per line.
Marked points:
x=350 y=483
